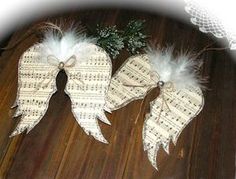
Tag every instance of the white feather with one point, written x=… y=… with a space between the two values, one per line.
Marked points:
x=65 y=46
x=181 y=71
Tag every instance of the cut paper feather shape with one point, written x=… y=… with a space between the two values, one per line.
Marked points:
x=179 y=101
x=131 y=82
x=88 y=68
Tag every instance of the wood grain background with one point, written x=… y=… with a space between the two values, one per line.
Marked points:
x=58 y=148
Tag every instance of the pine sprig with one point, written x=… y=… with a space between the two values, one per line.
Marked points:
x=113 y=40
x=110 y=39
x=134 y=37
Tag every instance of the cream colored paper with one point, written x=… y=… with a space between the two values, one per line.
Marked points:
x=170 y=112
x=124 y=87
x=168 y=117
x=87 y=86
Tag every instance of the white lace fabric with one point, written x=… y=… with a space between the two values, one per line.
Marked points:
x=209 y=23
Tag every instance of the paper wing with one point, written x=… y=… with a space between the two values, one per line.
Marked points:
x=131 y=82
x=36 y=84
x=160 y=128
x=87 y=87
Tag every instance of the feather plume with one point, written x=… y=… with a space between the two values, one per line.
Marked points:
x=87 y=103
x=63 y=46
x=182 y=71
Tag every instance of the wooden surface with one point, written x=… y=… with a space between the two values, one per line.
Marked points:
x=58 y=148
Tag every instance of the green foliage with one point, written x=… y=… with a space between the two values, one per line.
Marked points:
x=134 y=37
x=110 y=39
x=113 y=40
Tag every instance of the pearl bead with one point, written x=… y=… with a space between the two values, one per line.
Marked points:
x=61 y=65
x=160 y=83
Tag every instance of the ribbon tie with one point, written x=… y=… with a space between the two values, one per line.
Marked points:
x=54 y=61
x=163 y=86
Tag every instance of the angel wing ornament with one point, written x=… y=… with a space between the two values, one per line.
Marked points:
x=180 y=98
x=88 y=68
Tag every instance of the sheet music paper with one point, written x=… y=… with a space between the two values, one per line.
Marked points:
x=170 y=112
x=166 y=123
x=88 y=98
x=87 y=86
x=33 y=99
x=134 y=72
